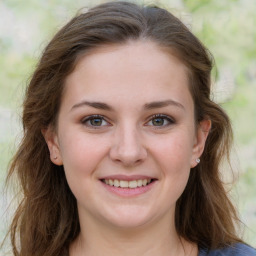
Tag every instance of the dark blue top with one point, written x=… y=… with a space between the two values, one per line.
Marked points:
x=234 y=250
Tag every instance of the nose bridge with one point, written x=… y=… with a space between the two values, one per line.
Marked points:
x=127 y=145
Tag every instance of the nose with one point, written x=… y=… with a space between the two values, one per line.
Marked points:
x=127 y=147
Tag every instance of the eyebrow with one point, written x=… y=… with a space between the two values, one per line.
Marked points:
x=97 y=105
x=161 y=104
x=147 y=106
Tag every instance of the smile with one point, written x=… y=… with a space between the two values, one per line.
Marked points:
x=127 y=184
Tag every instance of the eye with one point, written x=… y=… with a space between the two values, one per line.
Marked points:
x=160 y=121
x=95 y=121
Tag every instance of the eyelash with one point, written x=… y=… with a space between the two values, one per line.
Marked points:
x=163 y=117
x=93 y=117
x=103 y=119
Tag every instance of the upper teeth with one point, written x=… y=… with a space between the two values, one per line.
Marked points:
x=127 y=184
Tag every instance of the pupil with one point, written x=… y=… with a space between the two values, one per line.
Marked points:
x=158 y=121
x=96 y=122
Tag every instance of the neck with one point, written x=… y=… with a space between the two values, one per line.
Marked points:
x=154 y=239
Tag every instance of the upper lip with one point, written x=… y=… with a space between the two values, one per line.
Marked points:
x=126 y=177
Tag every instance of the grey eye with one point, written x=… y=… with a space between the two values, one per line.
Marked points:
x=159 y=121
x=96 y=121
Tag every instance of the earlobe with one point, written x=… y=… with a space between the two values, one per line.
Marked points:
x=203 y=130
x=51 y=140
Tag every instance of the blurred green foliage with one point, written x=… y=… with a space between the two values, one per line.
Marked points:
x=226 y=27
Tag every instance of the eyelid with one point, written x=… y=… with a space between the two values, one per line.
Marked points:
x=84 y=121
x=170 y=119
x=91 y=117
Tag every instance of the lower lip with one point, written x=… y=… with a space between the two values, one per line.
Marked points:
x=128 y=192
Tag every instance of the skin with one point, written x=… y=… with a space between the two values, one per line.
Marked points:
x=128 y=140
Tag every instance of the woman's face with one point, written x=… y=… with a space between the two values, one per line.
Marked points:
x=126 y=134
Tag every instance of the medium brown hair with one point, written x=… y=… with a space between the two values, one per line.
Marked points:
x=46 y=221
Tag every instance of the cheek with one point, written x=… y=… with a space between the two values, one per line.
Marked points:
x=81 y=157
x=175 y=163
x=81 y=154
x=174 y=156
x=174 y=150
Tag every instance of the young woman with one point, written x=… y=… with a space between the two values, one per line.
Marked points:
x=122 y=143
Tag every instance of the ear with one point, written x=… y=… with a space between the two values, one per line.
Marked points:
x=202 y=132
x=51 y=139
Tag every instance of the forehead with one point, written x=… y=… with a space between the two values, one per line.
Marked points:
x=127 y=71
x=143 y=53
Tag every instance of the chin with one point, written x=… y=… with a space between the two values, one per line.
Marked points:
x=129 y=218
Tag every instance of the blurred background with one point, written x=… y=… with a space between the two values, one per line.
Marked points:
x=226 y=27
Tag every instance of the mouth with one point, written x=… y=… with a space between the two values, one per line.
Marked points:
x=132 y=184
